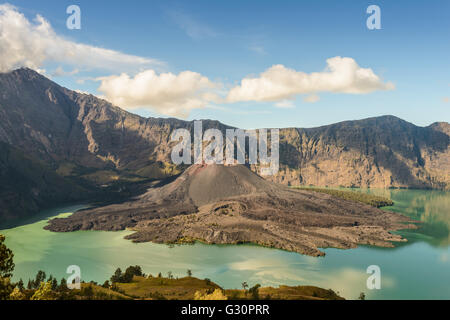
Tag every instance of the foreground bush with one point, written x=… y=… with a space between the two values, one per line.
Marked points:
x=216 y=295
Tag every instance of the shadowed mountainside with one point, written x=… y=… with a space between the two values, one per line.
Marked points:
x=27 y=185
x=88 y=140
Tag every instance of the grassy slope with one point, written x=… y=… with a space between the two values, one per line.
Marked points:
x=369 y=199
x=156 y=288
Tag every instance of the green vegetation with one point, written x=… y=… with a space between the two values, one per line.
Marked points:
x=374 y=201
x=6 y=259
x=126 y=277
x=218 y=294
x=158 y=170
x=6 y=269
x=165 y=288
x=283 y=293
x=134 y=284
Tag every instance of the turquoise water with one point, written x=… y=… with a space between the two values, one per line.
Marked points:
x=418 y=269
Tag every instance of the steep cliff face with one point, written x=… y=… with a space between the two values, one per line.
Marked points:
x=83 y=137
x=56 y=124
x=70 y=130
x=378 y=152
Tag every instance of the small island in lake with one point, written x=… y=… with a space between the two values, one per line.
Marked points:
x=219 y=204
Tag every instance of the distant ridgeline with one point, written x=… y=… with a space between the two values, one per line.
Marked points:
x=59 y=145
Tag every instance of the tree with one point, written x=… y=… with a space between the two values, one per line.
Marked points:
x=127 y=277
x=116 y=277
x=44 y=292
x=254 y=291
x=63 y=285
x=54 y=284
x=20 y=285
x=40 y=277
x=134 y=270
x=6 y=269
x=6 y=288
x=6 y=259
x=160 y=275
x=362 y=296
x=16 y=294
x=88 y=292
x=130 y=273
x=244 y=285
x=169 y=275
x=189 y=273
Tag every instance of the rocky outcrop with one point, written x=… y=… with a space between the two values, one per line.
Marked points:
x=381 y=152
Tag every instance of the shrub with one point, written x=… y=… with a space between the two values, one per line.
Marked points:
x=44 y=292
x=16 y=294
x=216 y=295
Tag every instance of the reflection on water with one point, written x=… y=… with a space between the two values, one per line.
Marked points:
x=418 y=269
x=431 y=207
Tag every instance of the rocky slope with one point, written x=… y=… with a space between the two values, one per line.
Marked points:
x=26 y=185
x=378 y=152
x=231 y=204
x=82 y=137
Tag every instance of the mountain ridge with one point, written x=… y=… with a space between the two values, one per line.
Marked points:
x=86 y=138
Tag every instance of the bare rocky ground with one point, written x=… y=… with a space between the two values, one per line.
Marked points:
x=231 y=204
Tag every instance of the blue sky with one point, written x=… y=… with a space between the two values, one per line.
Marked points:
x=227 y=41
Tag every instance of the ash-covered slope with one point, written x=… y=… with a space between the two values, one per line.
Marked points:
x=231 y=204
x=204 y=184
x=197 y=186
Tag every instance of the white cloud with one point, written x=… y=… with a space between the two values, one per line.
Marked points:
x=177 y=95
x=278 y=83
x=165 y=93
x=31 y=44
